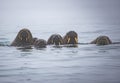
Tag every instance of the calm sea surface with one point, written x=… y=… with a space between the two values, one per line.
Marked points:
x=85 y=64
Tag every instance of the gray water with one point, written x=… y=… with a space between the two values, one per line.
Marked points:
x=87 y=63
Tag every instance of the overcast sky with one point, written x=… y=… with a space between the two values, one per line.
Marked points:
x=36 y=12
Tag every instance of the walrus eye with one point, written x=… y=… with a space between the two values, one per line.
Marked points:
x=76 y=39
x=68 y=40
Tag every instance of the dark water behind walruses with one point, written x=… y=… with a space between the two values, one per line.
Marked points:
x=87 y=63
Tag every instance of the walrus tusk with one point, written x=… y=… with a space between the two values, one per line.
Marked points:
x=68 y=40
x=26 y=39
x=20 y=38
x=59 y=43
x=76 y=39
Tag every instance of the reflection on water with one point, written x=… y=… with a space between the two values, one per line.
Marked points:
x=86 y=63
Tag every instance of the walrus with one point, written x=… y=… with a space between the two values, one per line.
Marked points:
x=34 y=40
x=40 y=43
x=23 y=38
x=102 y=40
x=55 y=39
x=71 y=37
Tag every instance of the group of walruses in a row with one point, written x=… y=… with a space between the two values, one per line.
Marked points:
x=25 y=38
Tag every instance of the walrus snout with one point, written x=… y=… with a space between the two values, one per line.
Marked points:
x=102 y=40
x=55 y=39
x=71 y=38
x=24 y=36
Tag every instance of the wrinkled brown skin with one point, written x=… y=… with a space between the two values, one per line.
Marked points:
x=102 y=40
x=55 y=39
x=40 y=43
x=23 y=38
x=69 y=38
x=35 y=40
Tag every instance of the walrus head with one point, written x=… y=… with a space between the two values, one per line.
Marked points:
x=40 y=43
x=71 y=38
x=24 y=37
x=55 y=39
x=102 y=40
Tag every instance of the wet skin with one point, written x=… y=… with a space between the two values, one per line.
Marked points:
x=55 y=39
x=71 y=38
x=102 y=40
x=23 y=38
x=40 y=43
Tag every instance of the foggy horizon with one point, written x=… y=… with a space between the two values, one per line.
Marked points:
x=37 y=12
